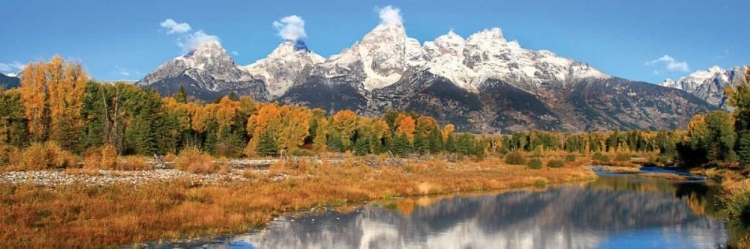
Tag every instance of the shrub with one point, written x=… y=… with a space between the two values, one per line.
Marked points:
x=133 y=163
x=170 y=157
x=599 y=158
x=515 y=158
x=47 y=156
x=555 y=164
x=622 y=157
x=535 y=163
x=570 y=158
x=194 y=160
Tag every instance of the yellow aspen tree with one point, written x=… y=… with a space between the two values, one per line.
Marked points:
x=405 y=125
x=447 y=131
x=34 y=94
x=345 y=122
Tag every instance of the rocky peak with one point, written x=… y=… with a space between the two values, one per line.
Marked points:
x=288 y=63
x=709 y=84
x=450 y=43
x=209 y=65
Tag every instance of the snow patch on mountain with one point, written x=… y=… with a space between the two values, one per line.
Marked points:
x=709 y=84
x=289 y=63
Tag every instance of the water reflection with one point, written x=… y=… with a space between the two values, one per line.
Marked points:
x=612 y=212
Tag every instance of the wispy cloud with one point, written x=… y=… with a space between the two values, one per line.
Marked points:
x=722 y=56
x=670 y=64
x=235 y=53
x=174 y=27
x=126 y=72
x=12 y=67
x=291 y=28
x=191 y=42
x=390 y=15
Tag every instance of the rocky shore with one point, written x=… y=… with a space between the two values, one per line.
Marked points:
x=107 y=177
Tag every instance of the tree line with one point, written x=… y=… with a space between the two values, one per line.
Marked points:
x=57 y=103
x=720 y=138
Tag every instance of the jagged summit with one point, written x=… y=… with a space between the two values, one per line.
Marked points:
x=482 y=83
x=207 y=71
x=288 y=63
x=709 y=84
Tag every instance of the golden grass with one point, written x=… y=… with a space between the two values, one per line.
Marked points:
x=195 y=161
x=81 y=216
x=665 y=176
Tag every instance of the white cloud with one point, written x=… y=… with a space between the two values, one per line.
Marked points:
x=390 y=16
x=291 y=28
x=656 y=72
x=235 y=53
x=126 y=72
x=175 y=27
x=12 y=67
x=191 y=42
x=671 y=64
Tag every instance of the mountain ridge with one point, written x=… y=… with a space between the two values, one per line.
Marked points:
x=483 y=83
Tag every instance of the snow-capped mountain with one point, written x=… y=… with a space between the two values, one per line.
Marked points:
x=483 y=83
x=207 y=71
x=709 y=84
x=9 y=81
x=290 y=62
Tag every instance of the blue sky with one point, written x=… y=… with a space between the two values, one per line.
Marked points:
x=117 y=39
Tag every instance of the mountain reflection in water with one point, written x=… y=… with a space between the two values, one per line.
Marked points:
x=612 y=212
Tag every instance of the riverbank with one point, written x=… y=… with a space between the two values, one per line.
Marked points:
x=126 y=209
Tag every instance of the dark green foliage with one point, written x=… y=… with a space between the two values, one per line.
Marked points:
x=181 y=95
x=421 y=144
x=515 y=158
x=334 y=142
x=555 y=164
x=361 y=147
x=12 y=119
x=622 y=157
x=570 y=158
x=399 y=145
x=466 y=144
x=435 y=141
x=534 y=163
x=743 y=148
x=267 y=144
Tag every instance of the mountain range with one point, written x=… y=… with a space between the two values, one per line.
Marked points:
x=709 y=84
x=9 y=81
x=482 y=83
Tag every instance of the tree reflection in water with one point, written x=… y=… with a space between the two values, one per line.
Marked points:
x=611 y=212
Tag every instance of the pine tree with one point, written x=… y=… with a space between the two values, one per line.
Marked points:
x=267 y=145
x=361 y=147
x=435 y=142
x=181 y=95
x=743 y=148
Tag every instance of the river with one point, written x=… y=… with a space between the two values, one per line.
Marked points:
x=615 y=211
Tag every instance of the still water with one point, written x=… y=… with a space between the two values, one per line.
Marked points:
x=615 y=211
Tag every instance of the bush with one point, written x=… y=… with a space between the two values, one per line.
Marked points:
x=133 y=163
x=555 y=164
x=515 y=158
x=622 y=157
x=598 y=157
x=47 y=156
x=105 y=158
x=535 y=163
x=194 y=160
x=570 y=158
